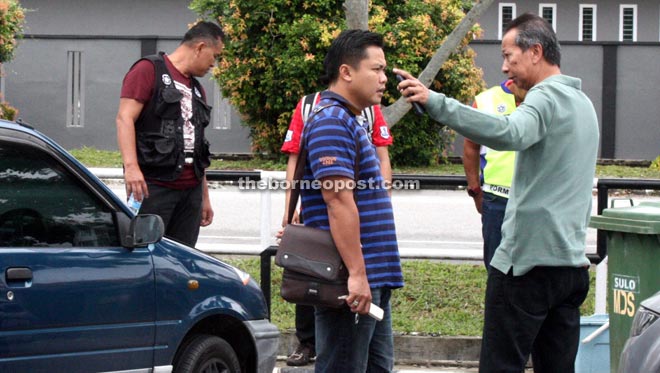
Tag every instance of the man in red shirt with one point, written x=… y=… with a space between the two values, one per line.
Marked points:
x=160 y=131
x=381 y=138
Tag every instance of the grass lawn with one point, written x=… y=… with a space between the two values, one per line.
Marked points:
x=103 y=158
x=438 y=299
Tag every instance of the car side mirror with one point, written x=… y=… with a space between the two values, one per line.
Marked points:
x=143 y=230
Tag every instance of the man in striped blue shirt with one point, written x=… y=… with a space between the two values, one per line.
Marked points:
x=355 y=208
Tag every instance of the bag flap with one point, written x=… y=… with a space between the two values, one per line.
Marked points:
x=310 y=251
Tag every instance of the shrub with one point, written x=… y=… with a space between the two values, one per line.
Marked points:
x=11 y=28
x=7 y=111
x=655 y=165
x=274 y=54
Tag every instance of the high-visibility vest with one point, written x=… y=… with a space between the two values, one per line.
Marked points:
x=496 y=166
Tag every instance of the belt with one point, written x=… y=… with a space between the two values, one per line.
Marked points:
x=188 y=157
x=496 y=189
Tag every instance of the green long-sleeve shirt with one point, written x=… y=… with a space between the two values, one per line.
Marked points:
x=555 y=131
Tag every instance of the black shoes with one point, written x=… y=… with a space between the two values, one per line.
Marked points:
x=302 y=355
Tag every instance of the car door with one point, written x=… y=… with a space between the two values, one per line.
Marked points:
x=71 y=298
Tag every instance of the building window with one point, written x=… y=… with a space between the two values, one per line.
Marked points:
x=587 y=30
x=506 y=14
x=627 y=22
x=75 y=90
x=221 y=110
x=549 y=13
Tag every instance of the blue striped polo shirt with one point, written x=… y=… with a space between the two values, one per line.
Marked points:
x=330 y=138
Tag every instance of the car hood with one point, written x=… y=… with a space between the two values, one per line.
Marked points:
x=653 y=303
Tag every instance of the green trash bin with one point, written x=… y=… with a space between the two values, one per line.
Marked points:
x=633 y=250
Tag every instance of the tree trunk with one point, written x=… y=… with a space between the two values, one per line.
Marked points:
x=397 y=110
x=357 y=14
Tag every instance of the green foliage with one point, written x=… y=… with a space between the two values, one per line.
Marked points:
x=274 y=55
x=655 y=165
x=438 y=298
x=7 y=111
x=11 y=27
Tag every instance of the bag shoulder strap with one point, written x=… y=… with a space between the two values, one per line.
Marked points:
x=302 y=160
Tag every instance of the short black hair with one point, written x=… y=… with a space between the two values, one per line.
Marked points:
x=350 y=47
x=204 y=30
x=533 y=29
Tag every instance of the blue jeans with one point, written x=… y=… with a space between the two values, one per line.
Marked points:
x=492 y=215
x=342 y=345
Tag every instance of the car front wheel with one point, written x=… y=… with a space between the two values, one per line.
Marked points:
x=208 y=354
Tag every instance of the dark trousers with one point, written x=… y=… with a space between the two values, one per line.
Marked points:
x=492 y=215
x=305 y=325
x=535 y=313
x=181 y=211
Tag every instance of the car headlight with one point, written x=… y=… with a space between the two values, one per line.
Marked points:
x=643 y=319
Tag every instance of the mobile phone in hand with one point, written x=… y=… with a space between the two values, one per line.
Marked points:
x=419 y=109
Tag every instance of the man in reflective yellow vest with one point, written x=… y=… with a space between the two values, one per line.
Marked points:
x=489 y=172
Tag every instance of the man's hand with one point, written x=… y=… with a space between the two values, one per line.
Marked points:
x=207 y=210
x=134 y=183
x=478 y=201
x=207 y=214
x=359 y=293
x=411 y=88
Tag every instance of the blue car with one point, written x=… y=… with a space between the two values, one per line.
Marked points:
x=89 y=287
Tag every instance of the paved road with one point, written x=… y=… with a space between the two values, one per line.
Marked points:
x=428 y=221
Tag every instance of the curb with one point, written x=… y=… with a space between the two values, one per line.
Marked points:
x=416 y=350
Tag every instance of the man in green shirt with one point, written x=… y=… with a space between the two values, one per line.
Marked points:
x=539 y=273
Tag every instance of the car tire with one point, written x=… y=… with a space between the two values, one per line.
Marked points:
x=206 y=354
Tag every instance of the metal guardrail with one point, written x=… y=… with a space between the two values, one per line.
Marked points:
x=432 y=181
x=602 y=186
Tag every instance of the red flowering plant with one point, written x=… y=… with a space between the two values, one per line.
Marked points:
x=12 y=16
x=274 y=55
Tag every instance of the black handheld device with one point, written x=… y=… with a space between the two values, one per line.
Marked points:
x=419 y=109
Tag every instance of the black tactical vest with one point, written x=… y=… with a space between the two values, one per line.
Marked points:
x=159 y=128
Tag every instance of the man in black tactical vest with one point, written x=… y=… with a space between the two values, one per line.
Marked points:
x=160 y=130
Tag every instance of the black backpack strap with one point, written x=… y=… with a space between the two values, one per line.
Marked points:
x=369 y=115
x=308 y=103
